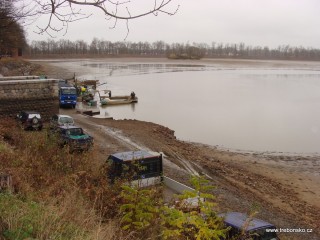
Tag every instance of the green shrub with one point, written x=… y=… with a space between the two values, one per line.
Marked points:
x=186 y=221
x=140 y=207
x=143 y=209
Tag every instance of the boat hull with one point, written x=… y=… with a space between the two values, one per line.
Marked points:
x=118 y=100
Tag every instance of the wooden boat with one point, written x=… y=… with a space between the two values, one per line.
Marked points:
x=117 y=100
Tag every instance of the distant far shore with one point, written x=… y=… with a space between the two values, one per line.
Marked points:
x=160 y=56
x=80 y=56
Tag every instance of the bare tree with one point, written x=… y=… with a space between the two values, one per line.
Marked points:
x=17 y=11
x=11 y=32
x=68 y=11
x=176 y=50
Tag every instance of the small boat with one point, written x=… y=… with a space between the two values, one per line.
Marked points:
x=117 y=100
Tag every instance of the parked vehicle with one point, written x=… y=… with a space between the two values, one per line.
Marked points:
x=67 y=95
x=143 y=168
x=30 y=120
x=58 y=120
x=74 y=137
x=255 y=228
x=136 y=165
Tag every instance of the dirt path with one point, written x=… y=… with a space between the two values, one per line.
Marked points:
x=286 y=188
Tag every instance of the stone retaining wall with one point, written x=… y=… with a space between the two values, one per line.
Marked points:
x=29 y=95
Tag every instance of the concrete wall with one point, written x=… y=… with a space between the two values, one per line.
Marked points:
x=34 y=95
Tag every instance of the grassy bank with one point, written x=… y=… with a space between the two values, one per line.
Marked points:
x=58 y=195
x=55 y=194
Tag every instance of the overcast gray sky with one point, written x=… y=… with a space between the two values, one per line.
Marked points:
x=254 y=22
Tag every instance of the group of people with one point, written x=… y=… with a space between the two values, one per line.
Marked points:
x=83 y=91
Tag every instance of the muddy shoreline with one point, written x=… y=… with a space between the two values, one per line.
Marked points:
x=285 y=186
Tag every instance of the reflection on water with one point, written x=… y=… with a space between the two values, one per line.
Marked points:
x=265 y=109
x=143 y=68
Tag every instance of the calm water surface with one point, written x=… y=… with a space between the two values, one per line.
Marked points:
x=241 y=108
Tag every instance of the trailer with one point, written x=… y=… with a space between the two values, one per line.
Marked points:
x=144 y=169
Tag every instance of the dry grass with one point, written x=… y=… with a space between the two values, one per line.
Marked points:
x=57 y=195
x=17 y=67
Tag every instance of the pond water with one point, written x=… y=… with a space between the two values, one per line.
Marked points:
x=268 y=107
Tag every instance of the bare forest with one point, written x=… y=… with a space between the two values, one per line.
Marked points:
x=105 y=48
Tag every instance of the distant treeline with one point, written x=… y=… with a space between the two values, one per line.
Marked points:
x=102 y=48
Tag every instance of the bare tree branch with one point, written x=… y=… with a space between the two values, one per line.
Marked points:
x=64 y=12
